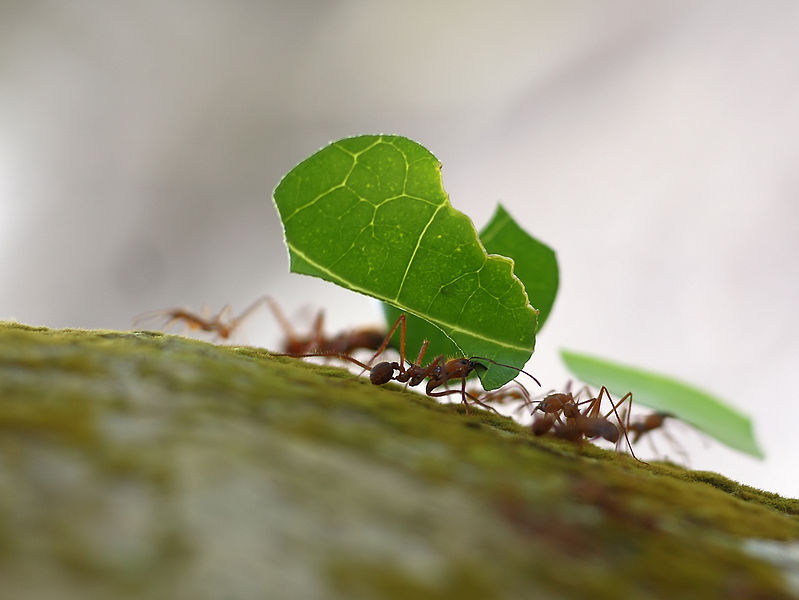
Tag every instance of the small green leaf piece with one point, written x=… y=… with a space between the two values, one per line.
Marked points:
x=535 y=263
x=696 y=407
x=370 y=213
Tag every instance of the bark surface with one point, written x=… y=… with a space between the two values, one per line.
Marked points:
x=142 y=465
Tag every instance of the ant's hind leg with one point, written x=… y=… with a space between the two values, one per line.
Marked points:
x=400 y=322
x=628 y=397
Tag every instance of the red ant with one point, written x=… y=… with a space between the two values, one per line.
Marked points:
x=648 y=423
x=218 y=324
x=293 y=345
x=345 y=342
x=652 y=422
x=585 y=424
x=438 y=372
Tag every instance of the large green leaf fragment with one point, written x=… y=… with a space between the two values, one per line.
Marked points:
x=694 y=406
x=370 y=213
x=535 y=265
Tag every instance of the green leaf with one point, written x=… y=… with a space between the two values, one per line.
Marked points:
x=370 y=213
x=696 y=407
x=535 y=263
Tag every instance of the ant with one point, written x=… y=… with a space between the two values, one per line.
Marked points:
x=294 y=345
x=652 y=422
x=648 y=423
x=438 y=372
x=345 y=342
x=586 y=424
x=219 y=324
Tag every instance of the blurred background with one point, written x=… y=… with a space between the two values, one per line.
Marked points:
x=654 y=145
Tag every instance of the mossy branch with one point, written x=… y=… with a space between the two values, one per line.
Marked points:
x=149 y=466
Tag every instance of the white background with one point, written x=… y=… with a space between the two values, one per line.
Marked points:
x=654 y=145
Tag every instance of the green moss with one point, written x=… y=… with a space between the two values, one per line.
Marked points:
x=238 y=473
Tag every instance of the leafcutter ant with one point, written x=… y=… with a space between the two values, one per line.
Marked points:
x=345 y=342
x=655 y=421
x=438 y=372
x=648 y=423
x=223 y=326
x=562 y=414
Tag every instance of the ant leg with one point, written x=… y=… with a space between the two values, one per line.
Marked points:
x=579 y=393
x=593 y=408
x=627 y=397
x=400 y=322
x=420 y=373
x=168 y=325
x=422 y=350
x=192 y=321
x=226 y=310
x=520 y=393
x=594 y=405
x=625 y=416
x=354 y=361
x=652 y=447
x=417 y=373
x=675 y=444
x=291 y=336
x=237 y=320
x=317 y=336
x=216 y=323
x=464 y=394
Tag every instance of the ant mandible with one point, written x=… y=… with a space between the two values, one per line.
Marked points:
x=438 y=372
x=344 y=342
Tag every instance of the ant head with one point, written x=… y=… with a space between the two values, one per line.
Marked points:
x=459 y=367
x=476 y=365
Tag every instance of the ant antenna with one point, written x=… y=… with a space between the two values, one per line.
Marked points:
x=499 y=364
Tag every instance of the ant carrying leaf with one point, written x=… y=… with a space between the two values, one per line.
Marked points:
x=437 y=373
x=370 y=213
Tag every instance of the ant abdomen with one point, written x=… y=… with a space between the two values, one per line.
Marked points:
x=597 y=427
x=543 y=423
x=382 y=373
